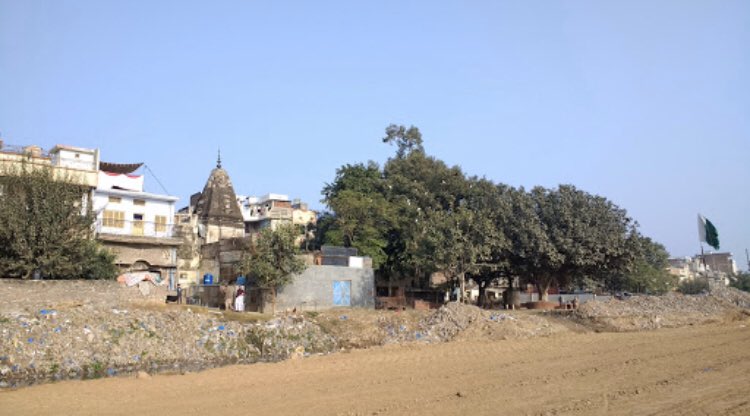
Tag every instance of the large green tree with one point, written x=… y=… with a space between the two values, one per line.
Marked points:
x=455 y=242
x=566 y=234
x=46 y=228
x=417 y=215
x=363 y=215
x=492 y=204
x=417 y=187
x=533 y=255
x=272 y=260
x=648 y=273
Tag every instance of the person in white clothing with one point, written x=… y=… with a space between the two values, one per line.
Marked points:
x=239 y=300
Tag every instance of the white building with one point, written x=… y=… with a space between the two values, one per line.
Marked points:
x=123 y=207
x=137 y=225
x=266 y=211
x=77 y=158
x=270 y=210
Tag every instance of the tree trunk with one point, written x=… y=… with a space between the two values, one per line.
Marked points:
x=482 y=301
x=273 y=300
x=462 y=284
x=542 y=288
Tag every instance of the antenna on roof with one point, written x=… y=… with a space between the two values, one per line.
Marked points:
x=157 y=179
x=218 y=161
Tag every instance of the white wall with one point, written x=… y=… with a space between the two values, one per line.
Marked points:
x=130 y=182
x=84 y=160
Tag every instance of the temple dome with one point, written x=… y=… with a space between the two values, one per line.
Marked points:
x=218 y=200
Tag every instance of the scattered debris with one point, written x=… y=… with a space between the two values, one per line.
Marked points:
x=53 y=330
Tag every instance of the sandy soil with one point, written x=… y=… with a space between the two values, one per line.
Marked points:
x=701 y=370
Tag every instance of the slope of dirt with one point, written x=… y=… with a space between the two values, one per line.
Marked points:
x=698 y=370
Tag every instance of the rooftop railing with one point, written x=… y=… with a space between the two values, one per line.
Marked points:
x=33 y=151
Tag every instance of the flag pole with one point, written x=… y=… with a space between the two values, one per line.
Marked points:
x=701 y=233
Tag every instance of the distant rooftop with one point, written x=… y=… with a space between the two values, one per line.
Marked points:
x=260 y=199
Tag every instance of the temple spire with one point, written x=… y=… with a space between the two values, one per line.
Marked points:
x=218 y=161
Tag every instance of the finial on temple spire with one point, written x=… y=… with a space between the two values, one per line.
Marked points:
x=218 y=161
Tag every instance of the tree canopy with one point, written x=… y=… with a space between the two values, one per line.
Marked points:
x=272 y=260
x=46 y=228
x=418 y=215
x=648 y=273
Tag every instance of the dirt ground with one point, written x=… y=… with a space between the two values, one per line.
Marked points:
x=694 y=370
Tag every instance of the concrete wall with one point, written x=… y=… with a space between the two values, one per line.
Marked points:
x=11 y=163
x=154 y=255
x=81 y=159
x=313 y=289
x=215 y=232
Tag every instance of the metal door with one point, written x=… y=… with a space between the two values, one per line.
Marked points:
x=342 y=290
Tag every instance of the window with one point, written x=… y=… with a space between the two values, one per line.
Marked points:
x=115 y=200
x=137 y=228
x=160 y=223
x=114 y=219
x=139 y=202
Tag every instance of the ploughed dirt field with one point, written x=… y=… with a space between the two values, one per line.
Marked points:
x=691 y=370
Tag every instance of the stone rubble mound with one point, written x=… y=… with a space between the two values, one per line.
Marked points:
x=732 y=295
x=671 y=310
x=448 y=321
x=455 y=321
x=68 y=338
x=89 y=329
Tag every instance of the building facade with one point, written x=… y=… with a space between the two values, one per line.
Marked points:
x=69 y=164
x=137 y=226
x=719 y=262
x=267 y=211
x=718 y=267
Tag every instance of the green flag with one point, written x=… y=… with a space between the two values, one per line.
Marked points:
x=707 y=232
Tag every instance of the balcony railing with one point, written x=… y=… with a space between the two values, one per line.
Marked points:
x=134 y=228
x=273 y=214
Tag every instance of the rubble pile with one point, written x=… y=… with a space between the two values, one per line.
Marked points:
x=447 y=322
x=500 y=325
x=44 y=340
x=733 y=296
x=363 y=328
x=670 y=310
x=89 y=329
x=457 y=321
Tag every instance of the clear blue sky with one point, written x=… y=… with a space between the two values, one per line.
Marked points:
x=646 y=103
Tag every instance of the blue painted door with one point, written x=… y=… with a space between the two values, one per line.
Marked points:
x=342 y=290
